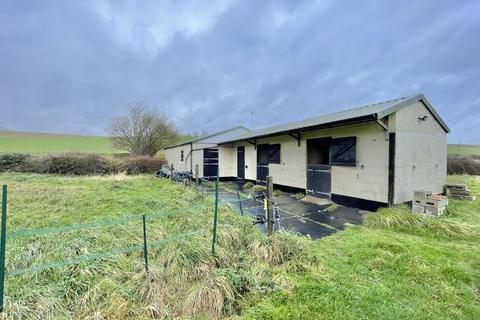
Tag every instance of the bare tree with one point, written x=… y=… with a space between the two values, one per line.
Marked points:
x=142 y=130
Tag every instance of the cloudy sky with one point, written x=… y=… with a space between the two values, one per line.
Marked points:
x=70 y=66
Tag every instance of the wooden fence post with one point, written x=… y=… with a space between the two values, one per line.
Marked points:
x=171 y=171
x=269 y=205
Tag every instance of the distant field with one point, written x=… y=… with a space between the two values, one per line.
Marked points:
x=463 y=149
x=34 y=142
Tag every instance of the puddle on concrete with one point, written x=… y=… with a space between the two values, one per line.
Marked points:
x=310 y=218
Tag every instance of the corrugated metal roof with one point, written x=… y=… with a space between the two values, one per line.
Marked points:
x=217 y=137
x=368 y=112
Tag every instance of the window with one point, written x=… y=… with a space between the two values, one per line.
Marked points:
x=262 y=154
x=318 y=151
x=268 y=153
x=274 y=153
x=181 y=155
x=343 y=151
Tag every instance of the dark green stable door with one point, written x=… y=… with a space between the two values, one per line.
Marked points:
x=319 y=180
x=241 y=162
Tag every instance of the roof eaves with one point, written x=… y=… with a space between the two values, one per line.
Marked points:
x=419 y=97
x=360 y=119
x=207 y=136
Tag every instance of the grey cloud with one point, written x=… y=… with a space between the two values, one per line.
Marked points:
x=82 y=62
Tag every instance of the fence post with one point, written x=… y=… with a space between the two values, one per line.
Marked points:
x=3 y=240
x=171 y=171
x=269 y=205
x=239 y=200
x=145 y=252
x=214 y=231
x=197 y=173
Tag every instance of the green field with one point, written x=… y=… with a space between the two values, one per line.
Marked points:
x=34 y=142
x=463 y=149
x=397 y=265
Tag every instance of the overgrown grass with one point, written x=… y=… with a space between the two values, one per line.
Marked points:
x=397 y=265
x=185 y=279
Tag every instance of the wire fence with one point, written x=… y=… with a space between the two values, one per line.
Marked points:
x=140 y=247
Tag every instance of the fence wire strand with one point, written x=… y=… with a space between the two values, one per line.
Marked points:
x=98 y=256
x=107 y=222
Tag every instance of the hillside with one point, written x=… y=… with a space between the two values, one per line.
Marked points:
x=35 y=142
x=463 y=149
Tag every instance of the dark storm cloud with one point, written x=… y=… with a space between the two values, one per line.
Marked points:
x=71 y=66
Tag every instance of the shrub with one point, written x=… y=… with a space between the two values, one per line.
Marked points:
x=466 y=164
x=80 y=164
x=69 y=164
x=10 y=160
x=142 y=164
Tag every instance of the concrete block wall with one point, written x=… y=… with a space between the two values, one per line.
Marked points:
x=421 y=153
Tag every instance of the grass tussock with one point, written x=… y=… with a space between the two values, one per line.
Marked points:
x=401 y=218
x=332 y=208
x=299 y=195
x=278 y=248
x=209 y=297
x=258 y=188
x=248 y=185
x=186 y=259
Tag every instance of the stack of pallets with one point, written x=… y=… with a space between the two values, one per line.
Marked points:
x=430 y=204
x=459 y=191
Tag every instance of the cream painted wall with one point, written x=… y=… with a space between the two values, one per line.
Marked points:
x=292 y=169
x=421 y=153
x=173 y=157
x=368 y=180
x=227 y=158
x=250 y=160
x=227 y=164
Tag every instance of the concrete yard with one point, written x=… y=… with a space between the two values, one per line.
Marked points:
x=310 y=219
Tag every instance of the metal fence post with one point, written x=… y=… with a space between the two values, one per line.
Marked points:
x=269 y=205
x=3 y=239
x=145 y=252
x=214 y=231
x=239 y=201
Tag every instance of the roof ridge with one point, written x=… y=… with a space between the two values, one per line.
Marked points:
x=372 y=111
